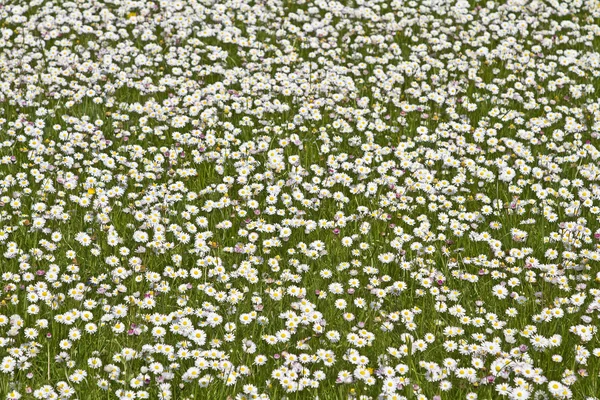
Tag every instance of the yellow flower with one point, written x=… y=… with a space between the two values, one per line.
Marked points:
x=91 y=191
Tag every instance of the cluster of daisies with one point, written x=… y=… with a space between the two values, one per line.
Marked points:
x=275 y=199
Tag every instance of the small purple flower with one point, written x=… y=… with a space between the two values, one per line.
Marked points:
x=523 y=348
